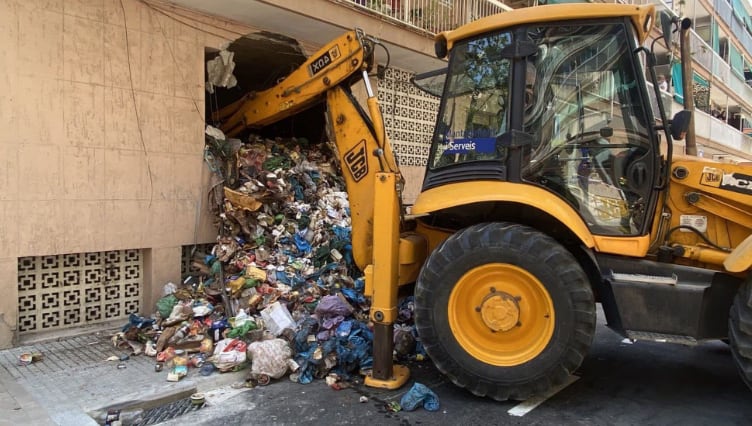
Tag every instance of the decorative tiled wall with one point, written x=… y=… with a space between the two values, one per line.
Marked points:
x=70 y=290
x=409 y=116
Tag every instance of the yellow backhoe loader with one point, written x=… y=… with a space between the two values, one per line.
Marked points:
x=547 y=190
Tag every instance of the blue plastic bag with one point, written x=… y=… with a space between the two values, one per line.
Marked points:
x=135 y=320
x=420 y=394
x=301 y=243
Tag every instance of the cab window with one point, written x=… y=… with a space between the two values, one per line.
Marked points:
x=475 y=106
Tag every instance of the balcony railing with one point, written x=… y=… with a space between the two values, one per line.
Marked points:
x=724 y=10
x=701 y=52
x=431 y=16
x=710 y=128
x=721 y=69
x=722 y=73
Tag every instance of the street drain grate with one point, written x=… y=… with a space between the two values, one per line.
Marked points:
x=166 y=412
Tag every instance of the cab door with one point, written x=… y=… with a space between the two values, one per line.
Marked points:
x=587 y=112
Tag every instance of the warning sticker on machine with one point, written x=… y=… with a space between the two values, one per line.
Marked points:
x=696 y=221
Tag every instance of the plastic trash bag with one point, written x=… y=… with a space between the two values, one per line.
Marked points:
x=165 y=305
x=404 y=341
x=417 y=395
x=169 y=289
x=135 y=320
x=308 y=326
x=229 y=353
x=353 y=349
x=353 y=296
x=242 y=330
x=334 y=306
x=301 y=244
x=202 y=309
x=269 y=357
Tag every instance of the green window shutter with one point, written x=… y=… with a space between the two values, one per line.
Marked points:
x=736 y=61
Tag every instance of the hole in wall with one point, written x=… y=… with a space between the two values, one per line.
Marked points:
x=262 y=59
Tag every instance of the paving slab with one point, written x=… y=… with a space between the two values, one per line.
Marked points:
x=74 y=379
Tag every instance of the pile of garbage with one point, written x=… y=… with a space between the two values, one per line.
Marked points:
x=279 y=291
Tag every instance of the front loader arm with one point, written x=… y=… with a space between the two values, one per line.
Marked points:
x=372 y=180
x=338 y=61
x=362 y=145
x=370 y=170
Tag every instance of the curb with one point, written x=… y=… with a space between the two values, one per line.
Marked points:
x=146 y=399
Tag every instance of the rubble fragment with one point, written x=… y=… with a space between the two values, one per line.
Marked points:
x=219 y=71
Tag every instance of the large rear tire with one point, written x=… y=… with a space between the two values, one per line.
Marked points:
x=504 y=310
x=740 y=332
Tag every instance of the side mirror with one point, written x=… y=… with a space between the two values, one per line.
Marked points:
x=680 y=124
x=606 y=132
x=667 y=24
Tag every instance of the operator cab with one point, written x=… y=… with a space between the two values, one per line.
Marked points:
x=560 y=105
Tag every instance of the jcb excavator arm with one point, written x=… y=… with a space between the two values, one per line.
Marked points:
x=340 y=60
x=370 y=171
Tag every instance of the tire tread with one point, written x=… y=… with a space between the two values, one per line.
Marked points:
x=527 y=242
x=740 y=332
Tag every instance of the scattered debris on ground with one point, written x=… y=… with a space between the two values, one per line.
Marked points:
x=279 y=293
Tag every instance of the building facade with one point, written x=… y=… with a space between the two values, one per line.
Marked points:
x=721 y=45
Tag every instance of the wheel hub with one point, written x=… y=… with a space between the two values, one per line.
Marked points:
x=500 y=311
x=501 y=314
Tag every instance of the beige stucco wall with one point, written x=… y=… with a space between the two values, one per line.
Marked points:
x=101 y=134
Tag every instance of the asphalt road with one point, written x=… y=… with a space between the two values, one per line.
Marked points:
x=619 y=383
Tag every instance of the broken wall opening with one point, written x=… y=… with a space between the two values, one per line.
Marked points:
x=261 y=60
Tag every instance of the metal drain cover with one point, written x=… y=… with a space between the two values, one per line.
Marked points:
x=166 y=412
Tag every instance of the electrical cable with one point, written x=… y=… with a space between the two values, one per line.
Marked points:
x=700 y=234
x=152 y=7
x=135 y=107
x=177 y=67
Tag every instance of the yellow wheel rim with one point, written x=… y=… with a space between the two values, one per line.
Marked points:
x=501 y=314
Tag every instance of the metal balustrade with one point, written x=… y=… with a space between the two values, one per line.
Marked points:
x=702 y=53
x=722 y=75
x=705 y=56
x=432 y=16
x=726 y=13
x=708 y=127
x=721 y=69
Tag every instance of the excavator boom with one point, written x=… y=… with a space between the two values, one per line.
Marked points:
x=369 y=167
x=360 y=140
x=334 y=63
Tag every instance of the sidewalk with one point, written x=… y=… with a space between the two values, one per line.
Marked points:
x=75 y=378
x=17 y=407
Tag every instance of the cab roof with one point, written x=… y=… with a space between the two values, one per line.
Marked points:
x=642 y=17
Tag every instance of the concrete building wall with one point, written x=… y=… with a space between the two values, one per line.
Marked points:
x=101 y=140
x=102 y=135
